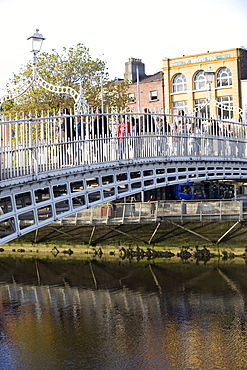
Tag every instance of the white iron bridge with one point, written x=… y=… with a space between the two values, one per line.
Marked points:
x=55 y=166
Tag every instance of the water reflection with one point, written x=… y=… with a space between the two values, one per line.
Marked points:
x=98 y=314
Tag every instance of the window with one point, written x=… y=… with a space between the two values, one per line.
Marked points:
x=153 y=95
x=131 y=98
x=224 y=109
x=201 y=109
x=179 y=105
x=200 y=81
x=224 y=77
x=179 y=83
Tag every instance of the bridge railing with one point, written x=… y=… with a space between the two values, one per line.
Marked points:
x=33 y=145
x=146 y=212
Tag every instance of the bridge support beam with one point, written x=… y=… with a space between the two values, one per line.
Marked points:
x=91 y=236
x=37 y=272
x=36 y=236
x=190 y=231
x=230 y=229
x=155 y=231
x=122 y=232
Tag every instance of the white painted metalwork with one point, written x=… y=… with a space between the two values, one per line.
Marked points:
x=229 y=108
x=176 y=210
x=21 y=90
x=209 y=75
x=80 y=105
x=47 y=175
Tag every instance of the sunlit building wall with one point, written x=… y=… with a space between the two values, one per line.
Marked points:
x=185 y=86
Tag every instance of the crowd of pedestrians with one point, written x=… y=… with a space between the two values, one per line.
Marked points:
x=148 y=134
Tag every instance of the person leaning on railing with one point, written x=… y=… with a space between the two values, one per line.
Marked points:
x=147 y=123
x=123 y=131
x=99 y=128
x=195 y=132
x=183 y=124
x=79 y=128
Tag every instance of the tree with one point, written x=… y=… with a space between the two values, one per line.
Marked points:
x=73 y=67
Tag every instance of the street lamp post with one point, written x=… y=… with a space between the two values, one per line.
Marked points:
x=80 y=104
x=209 y=75
x=102 y=93
x=37 y=41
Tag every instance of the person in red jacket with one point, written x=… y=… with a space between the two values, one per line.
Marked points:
x=122 y=133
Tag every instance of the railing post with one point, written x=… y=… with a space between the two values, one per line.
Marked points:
x=124 y=208
x=91 y=216
x=183 y=209
x=241 y=207
x=140 y=212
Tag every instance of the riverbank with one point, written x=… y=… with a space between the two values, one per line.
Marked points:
x=162 y=236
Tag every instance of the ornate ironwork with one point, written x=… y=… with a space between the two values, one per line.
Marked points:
x=21 y=90
x=206 y=102
x=80 y=104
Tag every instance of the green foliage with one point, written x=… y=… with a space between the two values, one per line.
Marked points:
x=73 y=67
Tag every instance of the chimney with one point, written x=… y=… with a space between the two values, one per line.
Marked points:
x=131 y=69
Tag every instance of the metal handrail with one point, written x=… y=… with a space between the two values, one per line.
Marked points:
x=36 y=145
x=179 y=210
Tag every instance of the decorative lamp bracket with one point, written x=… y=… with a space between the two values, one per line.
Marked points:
x=80 y=104
x=206 y=102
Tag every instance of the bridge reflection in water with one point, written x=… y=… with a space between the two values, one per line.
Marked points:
x=158 y=315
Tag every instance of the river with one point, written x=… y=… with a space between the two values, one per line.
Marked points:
x=68 y=313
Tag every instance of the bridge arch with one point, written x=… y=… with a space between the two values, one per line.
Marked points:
x=45 y=178
x=34 y=204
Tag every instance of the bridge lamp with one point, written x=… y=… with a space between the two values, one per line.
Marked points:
x=209 y=75
x=37 y=41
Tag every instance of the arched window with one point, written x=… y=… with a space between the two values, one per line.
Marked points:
x=224 y=77
x=200 y=81
x=179 y=83
x=225 y=109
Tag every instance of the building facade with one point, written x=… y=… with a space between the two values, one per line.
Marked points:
x=144 y=91
x=185 y=86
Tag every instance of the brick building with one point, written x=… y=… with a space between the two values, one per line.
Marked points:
x=145 y=91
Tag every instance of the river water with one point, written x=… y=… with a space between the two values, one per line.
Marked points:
x=67 y=313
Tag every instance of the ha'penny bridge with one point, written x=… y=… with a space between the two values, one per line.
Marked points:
x=50 y=178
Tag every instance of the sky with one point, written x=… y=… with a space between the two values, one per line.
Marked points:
x=116 y=30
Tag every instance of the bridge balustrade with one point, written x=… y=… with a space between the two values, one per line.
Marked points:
x=37 y=145
x=177 y=210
